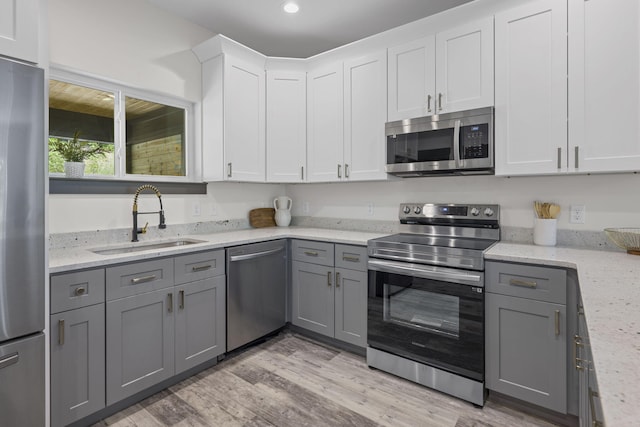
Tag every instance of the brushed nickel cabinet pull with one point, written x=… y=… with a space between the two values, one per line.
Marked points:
x=559 y=157
x=557 y=322
x=429 y=103
x=311 y=253
x=577 y=342
x=144 y=279
x=339 y=171
x=350 y=258
x=170 y=302
x=301 y=173
x=440 y=101
x=524 y=283
x=346 y=170
x=61 y=332
x=201 y=268
x=577 y=156
x=229 y=170
x=329 y=278
x=9 y=360
x=181 y=293
x=337 y=280
x=80 y=291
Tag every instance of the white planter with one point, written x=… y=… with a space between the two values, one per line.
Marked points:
x=74 y=169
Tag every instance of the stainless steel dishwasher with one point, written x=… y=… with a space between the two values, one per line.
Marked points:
x=256 y=291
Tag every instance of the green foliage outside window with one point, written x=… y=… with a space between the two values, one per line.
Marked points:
x=94 y=165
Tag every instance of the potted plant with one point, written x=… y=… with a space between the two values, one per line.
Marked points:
x=74 y=152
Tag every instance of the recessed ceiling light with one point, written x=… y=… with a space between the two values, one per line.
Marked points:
x=291 y=7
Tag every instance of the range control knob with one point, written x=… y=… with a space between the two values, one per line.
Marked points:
x=406 y=209
x=488 y=212
x=475 y=211
x=417 y=210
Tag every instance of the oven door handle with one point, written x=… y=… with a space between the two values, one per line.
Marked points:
x=427 y=272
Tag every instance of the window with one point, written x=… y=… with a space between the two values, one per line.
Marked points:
x=139 y=135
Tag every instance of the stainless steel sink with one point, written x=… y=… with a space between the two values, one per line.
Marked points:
x=146 y=246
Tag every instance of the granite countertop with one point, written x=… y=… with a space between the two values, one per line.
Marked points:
x=610 y=288
x=77 y=258
x=609 y=284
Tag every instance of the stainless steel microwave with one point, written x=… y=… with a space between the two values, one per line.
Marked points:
x=459 y=143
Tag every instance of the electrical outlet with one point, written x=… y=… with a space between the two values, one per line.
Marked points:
x=305 y=208
x=578 y=214
x=213 y=210
x=195 y=208
x=370 y=208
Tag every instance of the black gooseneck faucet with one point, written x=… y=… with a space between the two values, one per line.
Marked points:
x=136 y=230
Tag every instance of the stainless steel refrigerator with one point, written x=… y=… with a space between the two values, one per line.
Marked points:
x=22 y=245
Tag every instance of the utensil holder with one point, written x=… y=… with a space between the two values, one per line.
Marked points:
x=545 y=231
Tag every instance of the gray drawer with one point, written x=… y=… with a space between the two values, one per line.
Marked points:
x=77 y=289
x=351 y=257
x=192 y=267
x=527 y=281
x=139 y=277
x=314 y=252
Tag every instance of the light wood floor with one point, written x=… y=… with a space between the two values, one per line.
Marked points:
x=294 y=381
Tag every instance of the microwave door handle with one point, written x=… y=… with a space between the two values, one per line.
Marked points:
x=456 y=145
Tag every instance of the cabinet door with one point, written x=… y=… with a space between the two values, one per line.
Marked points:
x=464 y=67
x=77 y=364
x=531 y=89
x=412 y=79
x=19 y=29
x=244 y=121
x=313 y=293
x=140 y=343
x=325 y=124
x=604 y=82
x=286 y=126
x=351 y=306
x=365 y=100
x=200 y=322
x=526 y=350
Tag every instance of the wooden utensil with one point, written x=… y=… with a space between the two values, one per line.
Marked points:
x=554 y=211
x=262 y=217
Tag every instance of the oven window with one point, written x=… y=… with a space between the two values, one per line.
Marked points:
x=422 y=310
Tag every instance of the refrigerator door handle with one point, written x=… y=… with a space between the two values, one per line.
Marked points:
x=9 y=360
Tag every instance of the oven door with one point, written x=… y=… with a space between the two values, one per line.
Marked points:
x=431 y=315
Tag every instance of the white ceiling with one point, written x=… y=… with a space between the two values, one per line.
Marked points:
x=320 y=25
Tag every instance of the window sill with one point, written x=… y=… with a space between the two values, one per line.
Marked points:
x=62 y=185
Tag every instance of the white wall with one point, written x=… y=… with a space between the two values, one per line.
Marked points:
x=610 y=200
x=134 y=43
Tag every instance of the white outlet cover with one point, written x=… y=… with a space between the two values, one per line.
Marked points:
x=577 y=214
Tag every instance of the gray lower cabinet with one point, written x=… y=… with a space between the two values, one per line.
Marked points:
x=164 y=323
x=77 y=347
x=140 y=343
x=329 y=290
x=589 y=406
x=526 y=333
x=199 y=331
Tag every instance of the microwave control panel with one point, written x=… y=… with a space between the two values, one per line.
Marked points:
x=474 y=141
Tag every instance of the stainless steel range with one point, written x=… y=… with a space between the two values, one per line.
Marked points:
x=426 y=297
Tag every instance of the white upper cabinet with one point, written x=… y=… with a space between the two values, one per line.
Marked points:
x=604 y=85
x=286 y=126
x=451 y=71
x=19 y=29
x=325 y=120
x=531 y=89
x=464 y=67
x=244 y=121
x=233 y=111
x=365 y=113
x=412 y=79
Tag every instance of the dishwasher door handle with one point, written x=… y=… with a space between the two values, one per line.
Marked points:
x=254 y=255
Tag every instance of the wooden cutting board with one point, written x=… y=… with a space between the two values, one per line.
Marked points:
x=262 y=217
